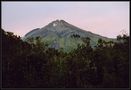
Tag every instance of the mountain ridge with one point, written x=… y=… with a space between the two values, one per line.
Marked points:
x=60 y=32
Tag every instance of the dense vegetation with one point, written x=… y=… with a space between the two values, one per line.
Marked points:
x=34 y=65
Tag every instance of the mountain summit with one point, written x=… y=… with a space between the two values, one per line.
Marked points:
x=60 y=34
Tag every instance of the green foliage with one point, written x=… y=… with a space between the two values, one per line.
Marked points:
x=75 y=36
x=34 y=65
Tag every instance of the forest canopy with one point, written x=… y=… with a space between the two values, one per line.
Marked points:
x=33 y=65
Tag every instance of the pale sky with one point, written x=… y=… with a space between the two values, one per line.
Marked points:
x=103 y=18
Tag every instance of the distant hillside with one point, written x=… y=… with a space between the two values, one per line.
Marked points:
x=60 y=34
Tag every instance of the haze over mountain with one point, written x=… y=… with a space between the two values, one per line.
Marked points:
x=59 y=34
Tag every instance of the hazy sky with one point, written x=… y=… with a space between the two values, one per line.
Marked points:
x=104 y=18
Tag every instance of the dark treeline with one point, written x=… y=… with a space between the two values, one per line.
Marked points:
x=33 y=65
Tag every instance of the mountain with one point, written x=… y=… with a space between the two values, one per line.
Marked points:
x=61 y=35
